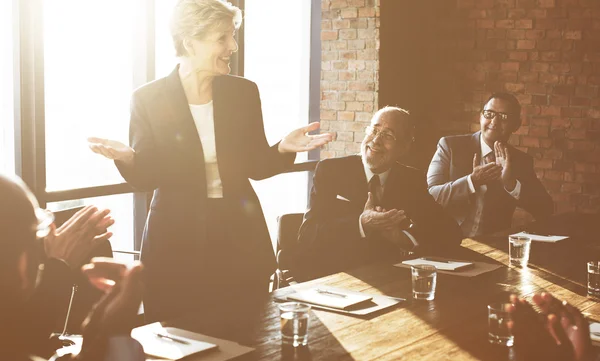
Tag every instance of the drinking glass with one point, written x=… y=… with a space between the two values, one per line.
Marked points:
x=294 y=323
x=518 y=250
x=498 y=332
x=593 y=271
x=424 y=278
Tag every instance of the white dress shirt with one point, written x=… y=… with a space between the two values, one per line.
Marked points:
x=474 y=221
x=382 y=178
x=205 y=125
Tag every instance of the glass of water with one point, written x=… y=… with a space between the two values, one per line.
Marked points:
x=424 y=278
x=593 y=271
x=294 y=323
x=518 y=250
x=498 y=332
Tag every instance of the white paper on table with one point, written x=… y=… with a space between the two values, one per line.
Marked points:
x=175 y=348
x=442 y=264
x=226 y=349
x=540 y=238
x=595 y=333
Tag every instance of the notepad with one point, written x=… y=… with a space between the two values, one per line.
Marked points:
x=159 y=341
x=440 y=263
x=541 y=238
x=337 y=298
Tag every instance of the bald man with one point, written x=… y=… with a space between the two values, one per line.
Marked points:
x=370 y=207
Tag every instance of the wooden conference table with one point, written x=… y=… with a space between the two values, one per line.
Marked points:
x=452 y=327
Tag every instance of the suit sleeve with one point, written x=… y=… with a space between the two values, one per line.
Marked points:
x=447 y=192
x=433 y=228
x=534 y=198
x=265 y=160
x=145 y=171
x=323 y=226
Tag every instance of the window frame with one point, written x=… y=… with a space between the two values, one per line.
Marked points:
x=29 y=106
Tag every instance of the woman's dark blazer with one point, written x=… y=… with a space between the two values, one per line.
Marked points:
x=169 y=161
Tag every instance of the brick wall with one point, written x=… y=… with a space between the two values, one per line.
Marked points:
x=349 y=71
x=547 y=52
x=442 y=59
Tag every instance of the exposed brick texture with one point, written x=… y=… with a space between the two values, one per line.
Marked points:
x=442 y=59
x=546 y=52
x=349 y=71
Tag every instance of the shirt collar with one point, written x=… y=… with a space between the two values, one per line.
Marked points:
x=485 y=149
x=382 y=176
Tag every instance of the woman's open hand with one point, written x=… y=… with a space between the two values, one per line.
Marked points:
x=300 y=141
x=111 y=149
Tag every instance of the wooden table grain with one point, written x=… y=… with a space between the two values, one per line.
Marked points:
x=452 y=327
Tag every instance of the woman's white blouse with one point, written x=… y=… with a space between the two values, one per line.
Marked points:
x=205 y=125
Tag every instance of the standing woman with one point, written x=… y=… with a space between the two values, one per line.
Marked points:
x=196 y=137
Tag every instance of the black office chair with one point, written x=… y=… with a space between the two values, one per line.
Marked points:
x=287 y=238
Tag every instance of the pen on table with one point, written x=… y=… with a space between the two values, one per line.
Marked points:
x=432 y=259
x=537 y=234
x=327 y=292
x=162 y=335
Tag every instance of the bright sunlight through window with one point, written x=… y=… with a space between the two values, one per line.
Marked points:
x=88 y=69
x=277 y=58
x=7 y=145
x=88 y=84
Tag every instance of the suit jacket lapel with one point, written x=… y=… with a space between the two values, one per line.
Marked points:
x=182 y=117
x=463 y=157
x=476 y=144
x=392 y=189
x=223 y=118
x=358 y=188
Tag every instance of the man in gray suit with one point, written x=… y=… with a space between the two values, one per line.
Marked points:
x=480 y=179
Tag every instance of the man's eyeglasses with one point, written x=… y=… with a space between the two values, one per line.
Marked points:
x=490 y=114
x=385 y=135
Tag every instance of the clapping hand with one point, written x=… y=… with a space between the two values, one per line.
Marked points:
x=111 y=149
x=76 y=238
x=484 y=174
x=116 y=312
x=560 y=332
x=300 y=141
x=503 y=159
x=104 y=273
x=374 y=218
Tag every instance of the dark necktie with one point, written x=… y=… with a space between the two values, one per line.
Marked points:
x=375 y=189
x=489 y=158
x=492 y=187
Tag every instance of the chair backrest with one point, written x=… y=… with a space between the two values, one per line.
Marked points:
x=61 y=217
x=287 y=236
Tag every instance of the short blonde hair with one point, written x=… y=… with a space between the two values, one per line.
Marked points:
x=198 y=18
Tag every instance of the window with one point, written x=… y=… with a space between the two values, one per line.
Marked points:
x=7 y=136
x=78 y=62
x=88 y=83
x=277 y=58
x=165 y=52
